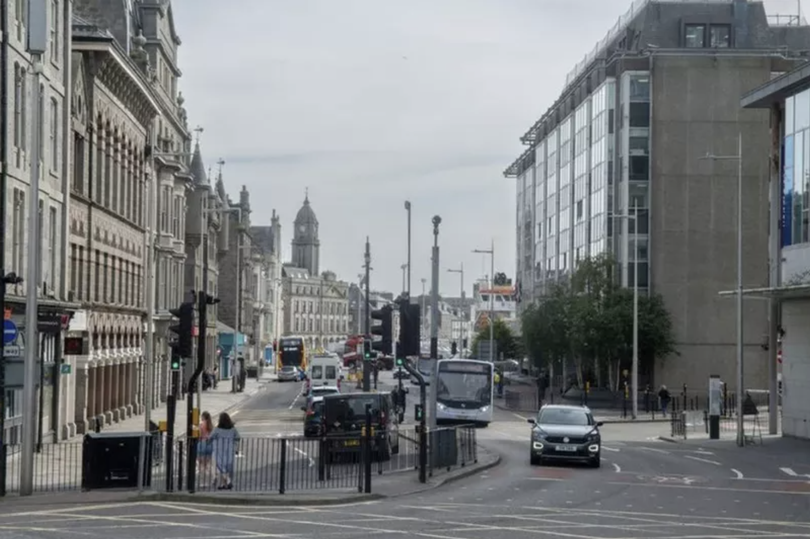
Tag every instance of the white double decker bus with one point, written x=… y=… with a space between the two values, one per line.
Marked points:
x=464 y=391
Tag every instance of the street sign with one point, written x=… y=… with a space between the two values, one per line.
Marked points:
x=65 y=368
x=12 y=350
x=9 y=332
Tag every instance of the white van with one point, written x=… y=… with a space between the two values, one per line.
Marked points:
x=324 y=371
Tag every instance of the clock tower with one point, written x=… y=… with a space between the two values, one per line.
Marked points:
x=305 y=244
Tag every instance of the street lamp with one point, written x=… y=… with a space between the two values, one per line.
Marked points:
x=491 y=253
x=740 y=382
x=634 y=370
x=460 y=271
x=408 y=282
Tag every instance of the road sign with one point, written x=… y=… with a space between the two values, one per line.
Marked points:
x=12 y=350
x=9 y=332
x=65 y=368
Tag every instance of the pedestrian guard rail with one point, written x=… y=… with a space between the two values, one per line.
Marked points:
x=258 y=464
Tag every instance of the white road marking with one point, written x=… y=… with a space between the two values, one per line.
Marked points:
x=655 y=449
x=311 y=460
x=702 y=460
x=703 y=452
x=297 y=397
x=610 y=449
x=738 y=473
x=791 y=473
x=617 y=468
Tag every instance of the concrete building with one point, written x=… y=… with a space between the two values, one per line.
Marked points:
x=786 y=100
x=204 y=217
x=52 y=135
x=316 y=305
x=626 y=135
x=113 y=108
x=267 y=241
x=236 y=278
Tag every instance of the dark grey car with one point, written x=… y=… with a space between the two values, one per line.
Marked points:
x=568 y=433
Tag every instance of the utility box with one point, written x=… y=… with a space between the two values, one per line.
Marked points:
x=443 y=448
x=111 y=460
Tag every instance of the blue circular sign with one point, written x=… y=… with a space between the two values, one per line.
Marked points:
x=9 y=332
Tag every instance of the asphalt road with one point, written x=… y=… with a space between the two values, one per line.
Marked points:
x=645 y=489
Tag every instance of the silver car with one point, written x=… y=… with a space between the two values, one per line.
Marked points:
x=288 y=373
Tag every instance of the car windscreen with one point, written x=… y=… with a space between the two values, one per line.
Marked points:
x=563 y=416
x=350 y=409
x=288 y=369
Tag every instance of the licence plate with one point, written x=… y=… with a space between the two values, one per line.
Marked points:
x=566 y=448
x=351 y=443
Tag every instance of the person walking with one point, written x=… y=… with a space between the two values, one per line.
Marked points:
x=225 y=439
x=665 y=397
x=205 y=450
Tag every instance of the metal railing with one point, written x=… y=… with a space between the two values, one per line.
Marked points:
x=256 y=464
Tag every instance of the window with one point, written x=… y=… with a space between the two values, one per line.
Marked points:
x=52 y=245
x=43 y=247
x=640 y=89
x=54 y=31
x=639 y=115
x=41 y=128
x=18 y=105
x=579 y=209
x=695 y=36
x=639 y=146
x=18 y=226
x=639 y=167
x=720 y=36
x=77 y=181
x=54 y=134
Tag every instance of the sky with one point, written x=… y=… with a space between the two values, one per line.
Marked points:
x=369 y=103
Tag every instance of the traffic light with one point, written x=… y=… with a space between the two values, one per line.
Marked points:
x=184 y=328
x=368 y=351
x=410 y=340
x=400 y=362
x=417 y=412
x=385 y=330
x=453 y=348
x=175 y=365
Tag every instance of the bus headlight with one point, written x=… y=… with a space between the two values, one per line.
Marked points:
x=485 y=409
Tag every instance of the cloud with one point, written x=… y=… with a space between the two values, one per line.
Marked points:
x=368 y=103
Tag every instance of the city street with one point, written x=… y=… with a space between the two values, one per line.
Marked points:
x=645 y=488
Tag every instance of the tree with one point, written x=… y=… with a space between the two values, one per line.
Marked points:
x=501 y=279
x=589 y=320
x=505 y=339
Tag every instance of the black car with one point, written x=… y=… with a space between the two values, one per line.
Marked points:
x=345 y=419
x=568 y=433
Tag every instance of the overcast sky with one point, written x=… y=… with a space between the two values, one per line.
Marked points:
x=369 y=103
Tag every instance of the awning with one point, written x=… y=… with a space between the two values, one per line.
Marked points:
x=798 y=291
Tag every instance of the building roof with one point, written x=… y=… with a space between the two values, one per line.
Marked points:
x=778 y=89
x=197 y=168
x=296 y=273
x=306 y=214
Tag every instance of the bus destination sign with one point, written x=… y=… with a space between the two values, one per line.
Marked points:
x=472 y=368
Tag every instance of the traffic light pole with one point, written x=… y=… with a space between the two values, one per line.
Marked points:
x=406 y=364
x=191 y=413
x=171 y=411
x=367 y=321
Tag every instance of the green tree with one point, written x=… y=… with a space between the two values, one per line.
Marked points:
x=545 y=329
x=505 y=339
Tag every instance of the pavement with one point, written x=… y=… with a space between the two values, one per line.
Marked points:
x=646 y=488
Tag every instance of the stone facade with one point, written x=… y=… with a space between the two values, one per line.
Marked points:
x=316 y=308
x=112 y=110
x=267 y=241
x=21 y=136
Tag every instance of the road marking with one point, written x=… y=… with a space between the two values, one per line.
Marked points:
x=791 y=473
x=655 y=449
x=234 y=412
x=610 y=449
x=707 y=461
x=703 y=452
x=738 y=473
x=311 y=460
x=297 y=397
x=522 y=418
x=617 y=468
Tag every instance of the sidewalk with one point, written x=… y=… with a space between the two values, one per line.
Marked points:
x=58 y=466
x=213 y=401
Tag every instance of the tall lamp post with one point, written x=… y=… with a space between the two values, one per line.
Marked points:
x=740 y=371
x=460 y=271
x=634 y=371
x=407 y=286
x=491 y=253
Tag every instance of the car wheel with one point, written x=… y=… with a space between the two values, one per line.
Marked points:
x=535 y=460
x=596 y=462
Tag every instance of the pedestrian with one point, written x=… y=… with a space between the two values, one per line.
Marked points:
x=205 y=450
x=664 y=397
x=225 y=439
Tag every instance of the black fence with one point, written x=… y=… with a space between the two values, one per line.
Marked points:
x=267 y=464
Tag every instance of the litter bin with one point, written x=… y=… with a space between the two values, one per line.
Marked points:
x=111 y=460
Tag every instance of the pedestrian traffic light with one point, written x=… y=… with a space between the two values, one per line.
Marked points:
x=410 y=340
x=453 y=348
x=384 y=330
x=184 y=328
x=417 y=412
x=175 y=365
x=400 y=362
x=368 y=351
